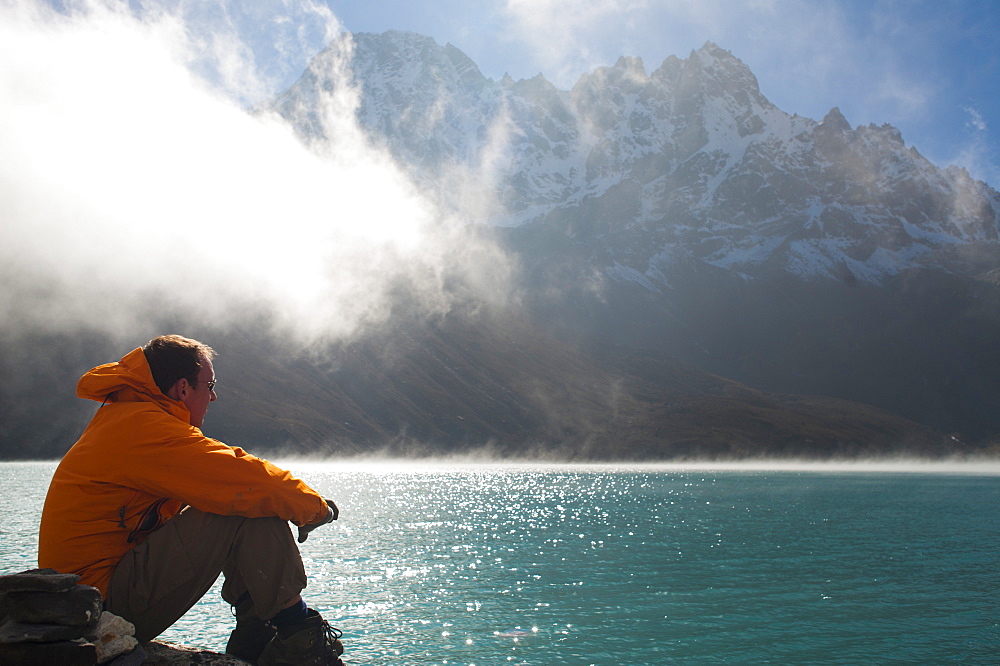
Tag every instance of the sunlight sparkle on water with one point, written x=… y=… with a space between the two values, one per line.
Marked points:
x=455 y=562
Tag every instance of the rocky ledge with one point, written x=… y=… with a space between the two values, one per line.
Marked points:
x=159 y=653
x=47 y=617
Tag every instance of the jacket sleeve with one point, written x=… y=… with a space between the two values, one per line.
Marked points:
x=173 y=459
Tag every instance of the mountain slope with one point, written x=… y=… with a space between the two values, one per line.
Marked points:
x=483 y=384
x=494 y=384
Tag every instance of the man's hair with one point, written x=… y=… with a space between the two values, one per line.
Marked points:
x=174 y=357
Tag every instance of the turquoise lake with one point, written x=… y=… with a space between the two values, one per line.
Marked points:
x=449 y=563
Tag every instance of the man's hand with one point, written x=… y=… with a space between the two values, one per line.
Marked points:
x=332 y=514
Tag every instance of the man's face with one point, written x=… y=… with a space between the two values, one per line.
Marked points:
x=197 y=395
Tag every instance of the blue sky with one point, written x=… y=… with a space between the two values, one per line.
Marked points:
x=931 y=68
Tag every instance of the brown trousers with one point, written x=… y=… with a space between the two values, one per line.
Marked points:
x=162 y=578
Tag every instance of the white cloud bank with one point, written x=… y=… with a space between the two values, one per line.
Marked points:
x=128 y=184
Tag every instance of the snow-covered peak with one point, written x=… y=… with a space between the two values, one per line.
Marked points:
x=407 y=60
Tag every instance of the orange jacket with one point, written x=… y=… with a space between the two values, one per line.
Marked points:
x=138 y=463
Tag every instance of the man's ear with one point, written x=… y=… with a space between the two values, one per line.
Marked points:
x=179 y=390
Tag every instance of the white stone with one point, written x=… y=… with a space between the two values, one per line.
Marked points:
x=114 y=636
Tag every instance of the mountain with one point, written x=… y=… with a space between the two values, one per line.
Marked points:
x=690 y=162
x=681 y=214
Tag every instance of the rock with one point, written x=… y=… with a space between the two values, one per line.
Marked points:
x=136 y=657
x=64 y=653
x=159 y=653
x=24 y=632
x=113 y=636
x=38 y=580
x=47 y=618
x=79 y=606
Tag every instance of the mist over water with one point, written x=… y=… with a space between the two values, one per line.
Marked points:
x=135 y=177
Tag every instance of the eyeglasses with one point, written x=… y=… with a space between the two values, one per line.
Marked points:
x=211 y=384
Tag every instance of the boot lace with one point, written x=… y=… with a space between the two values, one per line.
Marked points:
x=332 y=636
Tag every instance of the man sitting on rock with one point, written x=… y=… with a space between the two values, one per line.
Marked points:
x=148 y=510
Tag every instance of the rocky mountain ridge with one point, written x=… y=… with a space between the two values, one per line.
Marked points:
x=690 y=161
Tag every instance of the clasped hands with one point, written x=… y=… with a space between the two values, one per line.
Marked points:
x=331 y=515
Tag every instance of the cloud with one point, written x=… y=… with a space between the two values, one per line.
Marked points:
x=131 y=184
x=976 y=155
x=976 y=120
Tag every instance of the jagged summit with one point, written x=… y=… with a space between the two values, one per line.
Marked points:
x=835 y=120
x=713 y=57
x=412 y=60
x=632 y=65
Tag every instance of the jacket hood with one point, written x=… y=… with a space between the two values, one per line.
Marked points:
x=127 y=380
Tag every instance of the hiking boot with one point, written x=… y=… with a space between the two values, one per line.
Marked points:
x=251 y=634
x=312 y=642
